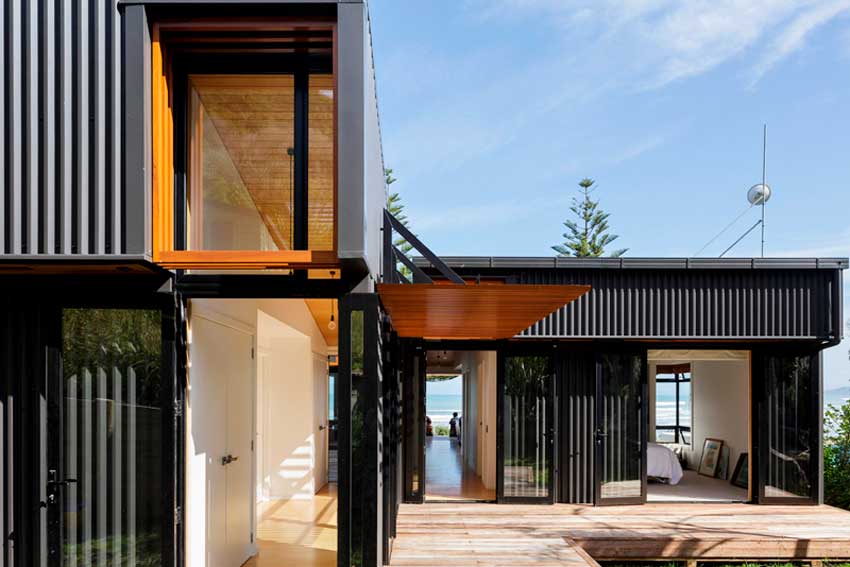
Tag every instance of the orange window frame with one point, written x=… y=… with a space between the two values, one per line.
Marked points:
x=162 y=190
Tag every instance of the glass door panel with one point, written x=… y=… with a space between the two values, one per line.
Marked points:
x=620 y=429
x=527 y=429
x=789 y=425
x=105 y=478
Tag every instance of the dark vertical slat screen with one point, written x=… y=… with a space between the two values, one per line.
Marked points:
x=577 y=384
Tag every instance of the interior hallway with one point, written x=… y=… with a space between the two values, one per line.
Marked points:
x=446 y=477
x=298 y=532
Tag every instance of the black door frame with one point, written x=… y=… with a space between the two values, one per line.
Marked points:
x=551 y=436
x=644 y=423
x=36 y=374
x=760 y=443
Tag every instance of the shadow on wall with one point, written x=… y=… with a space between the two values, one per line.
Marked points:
x=286 y=411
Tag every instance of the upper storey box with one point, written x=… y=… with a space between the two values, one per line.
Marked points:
x=191 y=135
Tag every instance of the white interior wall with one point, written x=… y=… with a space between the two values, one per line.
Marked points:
x=291 y=357
x=471 y=417
x=720 y=390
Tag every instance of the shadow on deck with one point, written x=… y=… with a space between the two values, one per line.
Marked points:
x=543 y=536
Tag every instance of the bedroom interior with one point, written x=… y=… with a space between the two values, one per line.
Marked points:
x=695 y=396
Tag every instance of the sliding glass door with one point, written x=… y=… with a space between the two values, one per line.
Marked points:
x=621 y=424
x=788 y=429
x=526 y=433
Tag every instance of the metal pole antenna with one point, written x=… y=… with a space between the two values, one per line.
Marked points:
x=763 y=184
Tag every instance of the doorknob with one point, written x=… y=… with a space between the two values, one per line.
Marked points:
x=227 y=459
x=321 y=428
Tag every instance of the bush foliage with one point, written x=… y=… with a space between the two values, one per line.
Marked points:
x=836 y=456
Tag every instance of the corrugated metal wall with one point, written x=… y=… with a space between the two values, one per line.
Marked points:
x=690 y=304
x=61 y=123
x=576 y=388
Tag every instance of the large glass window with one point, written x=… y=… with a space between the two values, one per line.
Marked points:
x=673 y=403
x=321 y=170
x=527 y=427
x=789 y=420
x=111 y=439
x=242 y=162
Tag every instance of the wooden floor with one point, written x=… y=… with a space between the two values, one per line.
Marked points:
x=544 y=536
x=300 y=533
x=447 y=477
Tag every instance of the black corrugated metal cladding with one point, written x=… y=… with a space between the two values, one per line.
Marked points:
x=61 y=124
x=576 y=392
x=725 y=304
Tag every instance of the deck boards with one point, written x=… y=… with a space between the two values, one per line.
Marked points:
x=540 y=536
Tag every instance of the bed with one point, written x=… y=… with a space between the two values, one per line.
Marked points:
x=662 y=463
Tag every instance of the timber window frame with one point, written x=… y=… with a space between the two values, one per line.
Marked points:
x=302 y=49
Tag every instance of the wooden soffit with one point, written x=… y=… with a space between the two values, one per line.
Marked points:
x=461 y=312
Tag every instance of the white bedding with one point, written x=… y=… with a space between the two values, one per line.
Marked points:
x=662 y=462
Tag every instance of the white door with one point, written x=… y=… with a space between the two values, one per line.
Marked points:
x=221 y=412
x=240 y=434
x=320 y=413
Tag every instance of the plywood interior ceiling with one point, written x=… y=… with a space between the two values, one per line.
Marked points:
x=434 y=311
x=321 y=170
x=321 y=309
x=248 y=125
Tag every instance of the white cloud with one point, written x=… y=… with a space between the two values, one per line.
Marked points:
x=668 y=40
x=492 y=213
x=794 y=35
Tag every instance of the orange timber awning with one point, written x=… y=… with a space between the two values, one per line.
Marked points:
x=454 y=311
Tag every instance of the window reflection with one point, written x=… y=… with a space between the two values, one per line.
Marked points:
x=112 y=513
x=789 y=431
x=241 y=165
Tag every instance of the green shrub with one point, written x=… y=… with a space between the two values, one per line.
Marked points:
x=836 y=456
x=441 y=430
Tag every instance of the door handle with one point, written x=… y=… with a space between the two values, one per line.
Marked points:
x=227 y=459
x=321 y=428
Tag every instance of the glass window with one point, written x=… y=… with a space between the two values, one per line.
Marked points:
x=673 y=404
x=242 y=162
x=320 y=179
x=619 y=415
x=527 y=421
x=789 y=427
x=112 y=439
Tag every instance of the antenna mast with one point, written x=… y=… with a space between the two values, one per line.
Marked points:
x=763 y=183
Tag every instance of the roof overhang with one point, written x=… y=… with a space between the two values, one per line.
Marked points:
x=471 y=312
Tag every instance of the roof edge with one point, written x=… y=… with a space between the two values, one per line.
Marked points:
x=659 y=263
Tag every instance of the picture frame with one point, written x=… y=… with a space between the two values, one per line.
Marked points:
x=741 y=475
x=710 y=458
x=723 y=465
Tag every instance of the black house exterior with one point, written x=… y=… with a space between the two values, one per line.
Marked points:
x=113 y=227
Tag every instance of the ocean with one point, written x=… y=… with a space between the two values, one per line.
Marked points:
x=439 y=407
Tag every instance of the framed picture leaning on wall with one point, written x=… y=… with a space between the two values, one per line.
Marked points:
x=710 y=459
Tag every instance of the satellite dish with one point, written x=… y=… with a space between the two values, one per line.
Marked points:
x=759 y=194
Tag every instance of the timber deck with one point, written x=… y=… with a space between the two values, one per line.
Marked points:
x=578 y=536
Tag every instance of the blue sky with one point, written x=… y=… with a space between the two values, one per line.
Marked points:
x=493 y=110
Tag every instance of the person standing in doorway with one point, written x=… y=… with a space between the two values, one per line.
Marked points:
x=453 y=423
